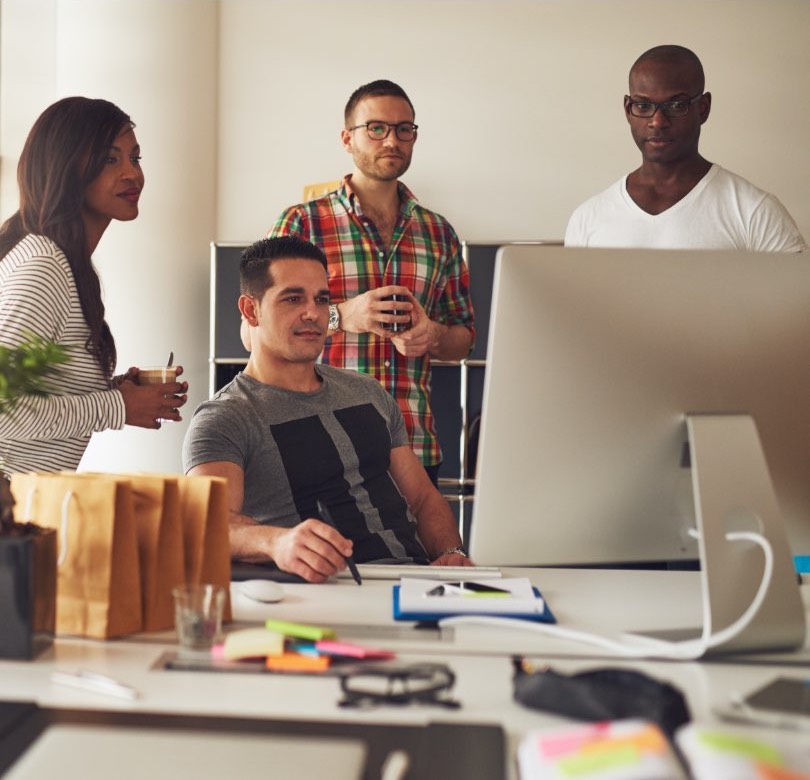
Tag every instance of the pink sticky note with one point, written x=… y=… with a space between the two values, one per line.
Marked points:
x=348 y=650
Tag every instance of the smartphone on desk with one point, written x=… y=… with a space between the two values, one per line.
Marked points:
x=784 y=702
x=787 y=695
x=466 y=588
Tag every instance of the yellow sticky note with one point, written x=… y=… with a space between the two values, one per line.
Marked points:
x=648 y=739
x=252 y=643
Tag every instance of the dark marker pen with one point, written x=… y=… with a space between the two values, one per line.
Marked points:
x=327 y=518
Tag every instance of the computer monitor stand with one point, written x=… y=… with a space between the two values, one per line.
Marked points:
x=733 y=494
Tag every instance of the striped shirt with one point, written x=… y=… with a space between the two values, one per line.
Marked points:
x=425 y=256
x=38 y=295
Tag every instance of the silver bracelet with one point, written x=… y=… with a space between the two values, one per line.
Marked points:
x=451 y=551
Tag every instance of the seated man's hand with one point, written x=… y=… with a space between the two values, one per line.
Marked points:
x=452 y=559
x=312 y=550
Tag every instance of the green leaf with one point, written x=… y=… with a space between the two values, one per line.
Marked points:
x=28 y=369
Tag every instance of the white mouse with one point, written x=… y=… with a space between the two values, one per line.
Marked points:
x=265 y=591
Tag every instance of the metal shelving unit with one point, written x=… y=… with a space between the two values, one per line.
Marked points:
x=226 y=355
x=457 y=481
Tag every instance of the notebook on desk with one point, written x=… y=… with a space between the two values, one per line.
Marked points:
x=425 y=601
x=54 y=742
x=63 y=750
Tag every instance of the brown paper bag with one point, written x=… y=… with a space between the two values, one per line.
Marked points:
x=98 y=585
x=156 y=514
x=160 y=545
x=204 y=512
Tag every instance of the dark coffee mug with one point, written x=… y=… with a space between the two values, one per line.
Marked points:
x=396 y=327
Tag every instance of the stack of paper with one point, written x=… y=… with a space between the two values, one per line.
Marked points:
x=726 y=751
x=611 y=750
x=419 y=599
x=638 y=750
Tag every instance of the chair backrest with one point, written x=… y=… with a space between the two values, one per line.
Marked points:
x=319 y=189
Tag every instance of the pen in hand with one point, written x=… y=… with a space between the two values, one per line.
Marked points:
x=327 y=518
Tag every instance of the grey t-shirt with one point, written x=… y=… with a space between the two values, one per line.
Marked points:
x=295 y=448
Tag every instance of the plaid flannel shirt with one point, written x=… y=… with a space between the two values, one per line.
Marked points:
x=425 y=257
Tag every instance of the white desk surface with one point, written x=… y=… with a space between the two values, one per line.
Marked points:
x=598 y=599
x=605 y=601
x=601 y=598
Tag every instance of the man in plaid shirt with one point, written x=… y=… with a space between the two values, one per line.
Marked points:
x=381 y=243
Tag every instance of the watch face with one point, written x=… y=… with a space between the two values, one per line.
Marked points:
x=334 y=317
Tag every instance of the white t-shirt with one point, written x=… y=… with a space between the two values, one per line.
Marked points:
x=723 y=211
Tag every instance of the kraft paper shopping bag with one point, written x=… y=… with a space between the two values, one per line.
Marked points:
x=98 y=582
x=156 y=500
x=204 y=512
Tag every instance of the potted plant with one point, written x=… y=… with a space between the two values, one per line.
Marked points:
x=27 y=552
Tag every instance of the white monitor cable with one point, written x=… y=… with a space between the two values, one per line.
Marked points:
x=634 y=645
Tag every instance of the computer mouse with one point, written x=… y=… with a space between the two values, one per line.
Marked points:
x=265 y=591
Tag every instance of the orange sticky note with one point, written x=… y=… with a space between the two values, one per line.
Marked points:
x=779 y=773
x=294 y=662
x=647 y=739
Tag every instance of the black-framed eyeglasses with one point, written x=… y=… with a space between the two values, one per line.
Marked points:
x=645 y=109
x=378 y=131
x=425 y=683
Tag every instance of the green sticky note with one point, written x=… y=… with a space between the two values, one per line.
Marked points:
x=741 y=746
x=298 y=630
x=586 y=763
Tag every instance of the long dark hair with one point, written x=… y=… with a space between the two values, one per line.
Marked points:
x=65 y=151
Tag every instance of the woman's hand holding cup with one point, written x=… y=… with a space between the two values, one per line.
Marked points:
x=153 y=395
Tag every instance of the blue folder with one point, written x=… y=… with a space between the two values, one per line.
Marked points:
x=545 y=616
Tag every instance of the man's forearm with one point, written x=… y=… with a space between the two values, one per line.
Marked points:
x=436 y=526
x=450 y=342
x=249 y=540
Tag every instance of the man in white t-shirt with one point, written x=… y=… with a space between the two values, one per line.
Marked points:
x=677 y=199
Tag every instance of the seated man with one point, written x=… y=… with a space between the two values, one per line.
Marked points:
x=287 y=432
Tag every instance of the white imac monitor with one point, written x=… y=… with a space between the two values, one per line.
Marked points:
x=595 y=359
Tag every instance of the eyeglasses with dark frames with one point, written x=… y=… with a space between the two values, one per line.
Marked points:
x=645 y=109
x=378 y=131
x=426 y=683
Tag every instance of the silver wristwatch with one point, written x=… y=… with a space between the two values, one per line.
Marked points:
x=334 y=317
x=451 y=551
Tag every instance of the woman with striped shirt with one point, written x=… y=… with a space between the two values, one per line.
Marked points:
x=80 y=169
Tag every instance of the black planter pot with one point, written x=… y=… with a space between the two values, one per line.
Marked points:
x=27 y=592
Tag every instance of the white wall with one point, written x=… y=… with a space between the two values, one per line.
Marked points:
x=239 y=103
x=519 y=103
x=158 y=61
